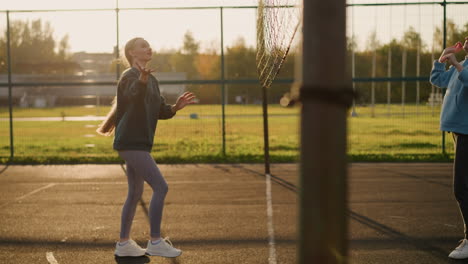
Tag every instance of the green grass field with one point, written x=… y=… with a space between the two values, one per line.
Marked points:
x=413 y=136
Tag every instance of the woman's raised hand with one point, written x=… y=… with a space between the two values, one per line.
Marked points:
x=450 y=50
x=453 y=60
x=144 y=72
x=184 y=100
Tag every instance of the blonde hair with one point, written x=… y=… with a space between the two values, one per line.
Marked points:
x=107 y=127
x=128 y=47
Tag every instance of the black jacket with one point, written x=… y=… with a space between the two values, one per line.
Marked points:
x=139 y=107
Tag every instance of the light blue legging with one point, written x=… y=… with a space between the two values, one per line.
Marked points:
x=141 y=167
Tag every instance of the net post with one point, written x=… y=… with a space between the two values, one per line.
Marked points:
x=10 y=96
x=323 y=188
x=266 y=137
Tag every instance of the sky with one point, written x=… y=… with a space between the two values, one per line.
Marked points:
x=392 y=21
x=95 y=31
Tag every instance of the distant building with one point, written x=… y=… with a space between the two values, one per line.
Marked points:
x=93 y=63
x=171 y=91
x=95 y=67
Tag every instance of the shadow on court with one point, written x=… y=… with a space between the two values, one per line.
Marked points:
x=217 y=213
x=130 y=260
x=3 y=168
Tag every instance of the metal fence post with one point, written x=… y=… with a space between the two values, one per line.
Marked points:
x=117 y=63
x=10 y=99
x=444 y=5
x=223 y=85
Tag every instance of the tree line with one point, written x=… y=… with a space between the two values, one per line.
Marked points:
x=401 y=50
x=35 y=51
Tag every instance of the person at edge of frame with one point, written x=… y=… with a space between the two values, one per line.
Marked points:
x=134 y=116
x=454 y=119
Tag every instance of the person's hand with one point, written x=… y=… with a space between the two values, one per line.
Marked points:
x=450 y=50
x=453 y=60
x=184 y=100
x=144 y=72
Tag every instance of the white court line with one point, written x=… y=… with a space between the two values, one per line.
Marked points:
x=30 y=193
x=168 y=182
x=271 y=230
x=50 y=258
x=35 y=191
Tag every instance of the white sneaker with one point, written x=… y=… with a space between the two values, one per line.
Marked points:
x=163 y=248
x=461 y=252
x=129 y=249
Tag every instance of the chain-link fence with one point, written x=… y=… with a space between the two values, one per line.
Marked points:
x=58 y=70
x=392 y=47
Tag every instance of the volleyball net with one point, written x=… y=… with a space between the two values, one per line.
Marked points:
x=277 y=25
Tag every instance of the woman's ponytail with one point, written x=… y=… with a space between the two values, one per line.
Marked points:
x=107 y=127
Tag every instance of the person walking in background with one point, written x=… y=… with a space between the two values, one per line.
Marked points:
x=454 y=119
x=134 y=117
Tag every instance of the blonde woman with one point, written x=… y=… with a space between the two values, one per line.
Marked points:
x=134 y=116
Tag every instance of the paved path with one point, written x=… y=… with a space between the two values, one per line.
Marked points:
x=399 y=213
